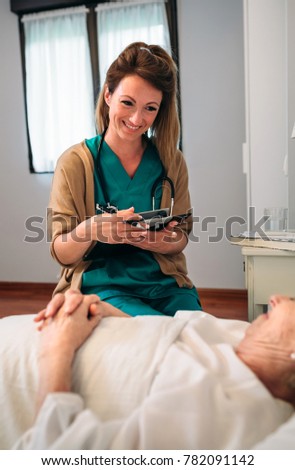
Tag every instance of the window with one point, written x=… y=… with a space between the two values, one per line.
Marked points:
x=66 y=53
x=59 y=91
x=120 y=24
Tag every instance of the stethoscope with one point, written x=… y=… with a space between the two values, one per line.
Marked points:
x=111 y=208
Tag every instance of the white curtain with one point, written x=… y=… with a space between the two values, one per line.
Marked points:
x=59 y=89
x=120 y=23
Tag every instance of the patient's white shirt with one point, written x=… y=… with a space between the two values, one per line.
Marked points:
x=188 y=390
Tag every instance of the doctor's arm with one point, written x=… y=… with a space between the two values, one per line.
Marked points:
x=70 y=247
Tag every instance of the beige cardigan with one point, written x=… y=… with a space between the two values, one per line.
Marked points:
x=72 y=201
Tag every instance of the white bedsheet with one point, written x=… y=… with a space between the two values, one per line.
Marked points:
x=127 y=360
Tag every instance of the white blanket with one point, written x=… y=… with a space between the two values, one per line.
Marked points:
x=184 y=369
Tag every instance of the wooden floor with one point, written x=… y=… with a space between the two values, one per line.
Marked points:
x=225 y=303
x=21 y=298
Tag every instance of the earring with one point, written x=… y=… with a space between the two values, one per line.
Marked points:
x=292 y=356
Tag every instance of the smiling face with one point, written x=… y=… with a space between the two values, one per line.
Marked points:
x=133 y=107
x=268 y=345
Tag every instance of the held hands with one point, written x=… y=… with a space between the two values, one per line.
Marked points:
x=62 y=334
x=65 y=325
x=71 y=303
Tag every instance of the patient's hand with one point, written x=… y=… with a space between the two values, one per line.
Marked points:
x=69 y=332
x=71 y=319
x=70 y=301
x=60 y=337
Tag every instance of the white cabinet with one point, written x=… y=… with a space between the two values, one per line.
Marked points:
x=267 y=272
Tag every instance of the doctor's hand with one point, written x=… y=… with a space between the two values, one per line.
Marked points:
x=169 y=240
x=69 y=248
x=115 y=229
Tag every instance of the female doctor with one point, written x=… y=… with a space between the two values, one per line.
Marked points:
x=102 y=183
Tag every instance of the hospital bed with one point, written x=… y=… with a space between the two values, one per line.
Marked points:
x=107 y=381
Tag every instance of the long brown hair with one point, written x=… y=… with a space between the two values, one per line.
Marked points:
x=154 y=64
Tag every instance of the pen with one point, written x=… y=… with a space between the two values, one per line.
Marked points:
x=108 y=209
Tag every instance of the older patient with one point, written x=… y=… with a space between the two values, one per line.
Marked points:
x=213 y=407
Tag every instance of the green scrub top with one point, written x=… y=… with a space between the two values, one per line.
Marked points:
x=133 y=271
